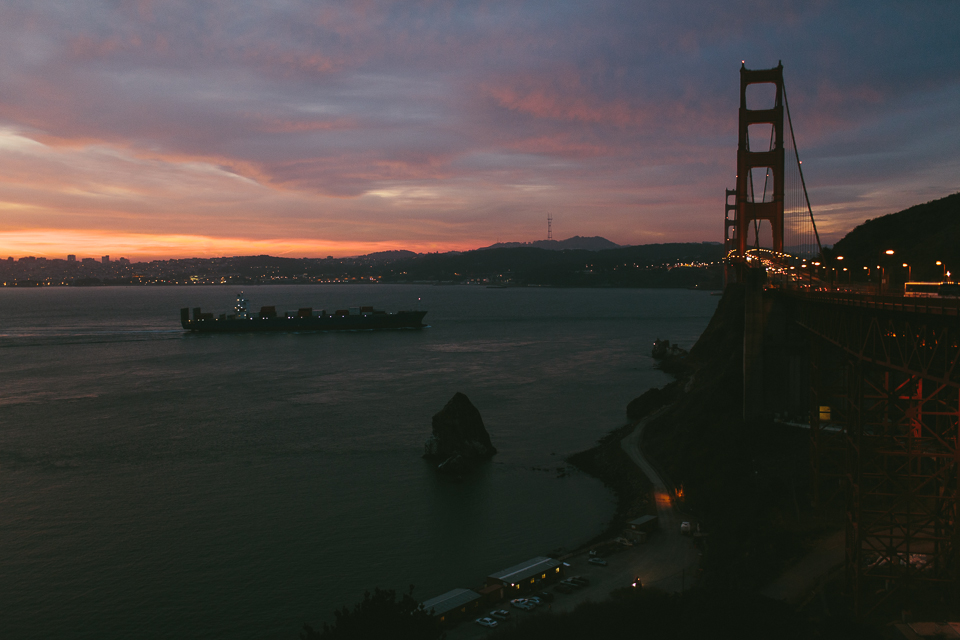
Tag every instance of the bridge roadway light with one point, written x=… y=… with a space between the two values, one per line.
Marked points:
x=889 y=252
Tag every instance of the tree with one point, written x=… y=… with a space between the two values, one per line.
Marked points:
x=379 y=615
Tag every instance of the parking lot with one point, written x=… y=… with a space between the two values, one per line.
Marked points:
x=655 y=562
x=668 y=560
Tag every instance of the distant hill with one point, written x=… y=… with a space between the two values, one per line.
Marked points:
x=652 y=265
x=919 y=236
x=388 y=256
x=594 y=243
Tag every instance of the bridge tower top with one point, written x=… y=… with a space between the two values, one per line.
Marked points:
x=753 y=207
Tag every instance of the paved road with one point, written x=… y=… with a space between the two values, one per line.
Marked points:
x=667 y=560
x=674 y=559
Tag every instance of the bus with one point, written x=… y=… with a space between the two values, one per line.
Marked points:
x=931 y=290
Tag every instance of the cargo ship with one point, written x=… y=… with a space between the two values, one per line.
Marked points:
x=304 y=319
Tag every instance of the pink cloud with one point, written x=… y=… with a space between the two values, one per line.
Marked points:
x=564 y=98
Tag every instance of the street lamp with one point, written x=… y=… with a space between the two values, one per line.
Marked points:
x=909 y=271
x=889 y=252
x=940 y=264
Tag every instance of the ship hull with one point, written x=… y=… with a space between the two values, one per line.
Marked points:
x=352 y=322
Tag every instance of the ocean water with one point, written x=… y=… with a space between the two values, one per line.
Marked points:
x=159 y=484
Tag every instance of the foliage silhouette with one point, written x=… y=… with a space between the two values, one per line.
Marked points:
x=379 y=615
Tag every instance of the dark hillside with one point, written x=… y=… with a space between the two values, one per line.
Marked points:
x=920 y=236
x=648 y=614
x=594 y=243
x=747 y=483
x=640 y=266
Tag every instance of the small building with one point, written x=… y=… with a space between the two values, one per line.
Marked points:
x=453 y=606
x=638 y=530
x=527 y=576
x=492 y=593
x=648 y=524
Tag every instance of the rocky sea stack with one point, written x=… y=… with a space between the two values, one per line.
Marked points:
x=459 y=436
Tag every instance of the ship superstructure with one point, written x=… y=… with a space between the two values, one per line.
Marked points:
x=303 y=319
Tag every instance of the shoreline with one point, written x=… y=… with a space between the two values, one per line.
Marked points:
x=609 y=463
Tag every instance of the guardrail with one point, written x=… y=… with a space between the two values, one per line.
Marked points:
x=902 y=304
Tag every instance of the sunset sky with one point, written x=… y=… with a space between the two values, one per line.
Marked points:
x=310 y=128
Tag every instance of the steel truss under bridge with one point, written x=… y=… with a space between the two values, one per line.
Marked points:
x=885 y=424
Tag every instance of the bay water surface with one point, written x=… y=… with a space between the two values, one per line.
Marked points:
x=160 y=484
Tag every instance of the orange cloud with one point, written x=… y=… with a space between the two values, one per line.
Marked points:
x=56 y=243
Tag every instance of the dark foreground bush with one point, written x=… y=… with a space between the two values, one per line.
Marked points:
x=379 y=615
x=694 y=616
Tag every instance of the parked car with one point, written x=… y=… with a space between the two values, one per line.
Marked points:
x=598 y=561
x=500 y=614
x=583 y=581
x=571 y=583
x=486 y=622
x=546 y=597
x=564 y=588
x=685 y=528
x=521 y=603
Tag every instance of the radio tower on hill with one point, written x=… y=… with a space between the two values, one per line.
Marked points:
x=549 y=226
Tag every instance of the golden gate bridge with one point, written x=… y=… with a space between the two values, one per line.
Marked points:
x=877 y=373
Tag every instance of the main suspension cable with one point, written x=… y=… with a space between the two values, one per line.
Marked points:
x=800 y=169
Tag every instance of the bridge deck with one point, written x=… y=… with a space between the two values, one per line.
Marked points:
x=903 y=304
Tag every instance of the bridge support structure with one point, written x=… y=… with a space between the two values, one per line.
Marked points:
x=748 y=209
x=885 y=418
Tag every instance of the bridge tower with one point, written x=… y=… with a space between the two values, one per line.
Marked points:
x=749 y=209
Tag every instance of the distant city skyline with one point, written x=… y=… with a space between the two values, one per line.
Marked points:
x=161 y=130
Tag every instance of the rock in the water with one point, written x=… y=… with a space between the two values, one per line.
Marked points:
x=458 y=431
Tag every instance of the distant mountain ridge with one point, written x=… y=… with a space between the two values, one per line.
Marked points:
x=593 y=243
x=389 y=256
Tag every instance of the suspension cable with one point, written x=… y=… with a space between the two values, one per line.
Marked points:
x=800 y=169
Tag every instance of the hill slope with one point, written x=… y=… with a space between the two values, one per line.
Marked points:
x=593 y=243
x=920 y=236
